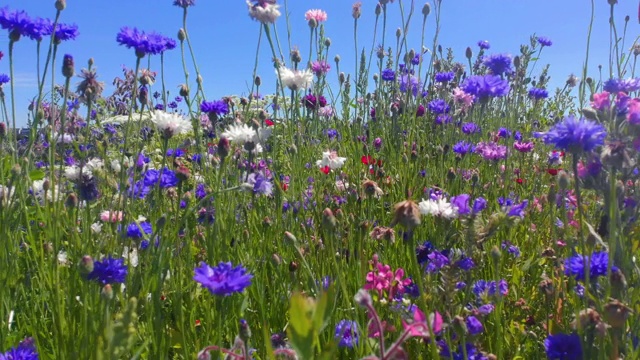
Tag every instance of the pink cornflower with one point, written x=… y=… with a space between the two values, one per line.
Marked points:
x=633 y=112
x=463 y=99
x=601 y=101
x=316 y=14
x=111 y=216
x=320 y=67
x=523 y=147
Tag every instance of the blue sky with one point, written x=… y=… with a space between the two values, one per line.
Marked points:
x=225 y=38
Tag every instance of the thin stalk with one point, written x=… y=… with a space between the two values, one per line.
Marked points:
x=583 y=83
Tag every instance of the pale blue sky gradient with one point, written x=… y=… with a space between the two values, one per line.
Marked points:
x=225 y=38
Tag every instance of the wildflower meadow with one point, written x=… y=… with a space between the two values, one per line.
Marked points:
x=416 y=203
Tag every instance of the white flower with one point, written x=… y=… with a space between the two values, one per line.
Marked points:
x=240 y=134
x=331 y=159
x=96 y=228
x=37 y=188
x=266 y=14
x=439 y=207
x=115 y=165
x=64 y=138
x=6 y=194
x=295 y=79
x=170 y=124
x=63 y=258
x=131 y=255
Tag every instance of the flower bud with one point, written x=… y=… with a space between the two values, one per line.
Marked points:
x=328 y=219
x=184 y=90
x=398 y=33
x=356 y=10
x=313 y=23
x=616 y=314
x=378 y=9
x=293 y=266
x=86 y=265
x=468 y=53
x=60 y=4
x=223 y=147
x=257 y=81
x=182 y=35
x=563 y=180
x=290 y=238
x=426 y=9
x=327 y=42
x=107 y=292
x=71 y=201
x=68 y=69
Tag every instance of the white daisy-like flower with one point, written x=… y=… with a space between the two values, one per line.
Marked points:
x=295 y=79
x=73 y=172
x=6 y=194
x=170 y=124
x=331 y=159
x=265 y=13
x=240 y=134
x=439 y=207
x=37 y=189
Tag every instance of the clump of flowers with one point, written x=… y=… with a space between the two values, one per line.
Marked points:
x=387 y=283
x=573 y=134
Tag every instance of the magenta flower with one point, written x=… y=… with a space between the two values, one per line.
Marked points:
x=523 y=147
x=491 y=151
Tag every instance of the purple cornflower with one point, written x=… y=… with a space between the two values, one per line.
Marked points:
x=484 y=87
x=312 y=102
x=598 y=265
x=4 y=78
x=504 y=133
x=614 y=86
x=466 y=263
x=490 y=288
x=438 y=106
x=538 y=93
x=463 y=148
x=518 y=210
x=498 y=64
x=436 y=261
x=470 y=128
x=484 y=44
x=474 y=325
x=218 y=107
x=333 y=133
x=320 y=67
x=347 y=333
x=443 y=119
x=224 y=279
x=108 y=271
x=141 y=42
x=388 y=75
x=574 y=135
x=422 y=252
x=26 y=350
x=261 y=185
x=563 y=347
x=39 y=28
x=491 y=151
x=461 y=203
x=444 y=77
x=65 y=32
x=416 y=59
x=523 y=147
x=139 y=231
x=511 y=249
x=184 y=3
x=479 y=204
x=544 y=41
x=16 y=22
x=409 y=82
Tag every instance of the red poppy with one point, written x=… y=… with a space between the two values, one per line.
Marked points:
x=285 y=186
x=371 y=171
x=325 y=170
x=379 y=162
x=368 y=160
x=553 y=172
x=268 y=122
x=519 y=181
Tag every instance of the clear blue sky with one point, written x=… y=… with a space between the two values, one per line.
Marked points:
x=225 y=38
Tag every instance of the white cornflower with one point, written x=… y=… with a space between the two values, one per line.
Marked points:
x=239 y=134
x=295 y=79
x=170 y=124
x=331 y=159
x=265 y=13
x=439 y=207
x=96 y=228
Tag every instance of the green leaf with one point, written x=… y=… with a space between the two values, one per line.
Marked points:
x=300 y=331
x=36 y=175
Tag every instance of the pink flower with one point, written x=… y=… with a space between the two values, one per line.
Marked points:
x=582 y=170
x=463 y=99
x=316 y=14
x=601 y=101
x=633 y=112
x=523 y=147
x=111 y=216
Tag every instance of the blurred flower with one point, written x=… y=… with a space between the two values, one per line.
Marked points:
x=26 y=350
x=184 y=3
x=563 y=347
x=388 y=75
x=544 y=41
x=444 y=77
x=615 y=86
x=264 y=11
x=65 y=32
x=320 y=67
x=141 y=42
x=16 y=22
x=438 y=106
x=491 y=151
x=499 y=64
x=474 y=325
x=463 y=148
x=484 y=44
x=316 y=14
x=538 y=93
x=601 y=101
x=224 y=279
x=218 y=107
x=108 y=271
x=598 y=265
x=438 y=207
x=331 y=159
x=409 y=82
x=139 y=230
x=111 y=216
x=523 y=147
x=347 y=333
x=484 y=87
x=295 y=79
x=170 y=124
x=575 y=135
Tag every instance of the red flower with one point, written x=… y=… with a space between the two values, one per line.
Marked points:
x=553 y=172
x=268 y=122
x=368 y=160
x=519 y=181
x=379 y=162
x=285 y=186
x=325 y=170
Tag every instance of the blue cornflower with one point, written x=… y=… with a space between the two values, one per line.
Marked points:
x=504 y=133
x=498 y=63
x=474 y=325
x=511 y=249
x=224 y=279
x=4 y=78
x=479 y=204
x=615 y=86
x=518 y=210
x=444 y=77
x=166 y=179
x=218 y=107
x=172 y=105
x=466 y=263
x=409 y=82
x=422 y=252
x=470 y=128
x=388 y=75
x=26 y=350
x=16 y=22
x=332 y=133
x=485 y=86
x=438 y=106
x=490 y=288
x=574 y=135
x=184 y=3
x=598 y=265
x=463 y=148
x=461 y=203
x=261 y=185
x=538 y=93
x=416 y=59
x=109 y=271
x=544 y=41
x=159 y=107
x=484 y=44
x=347 y=333
x=39 y=28
x=65 y=32
x=139 y=230
x=563 y=347
x=517 y=135
x=141 y=42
